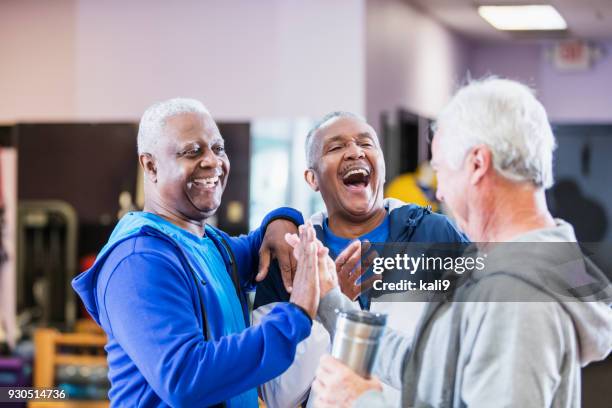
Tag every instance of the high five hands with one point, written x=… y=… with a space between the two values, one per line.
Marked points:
x=348 y=268
x=315 y=273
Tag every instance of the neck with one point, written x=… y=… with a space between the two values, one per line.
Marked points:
x=172 y=215
x=352 y=228
x=513 y=209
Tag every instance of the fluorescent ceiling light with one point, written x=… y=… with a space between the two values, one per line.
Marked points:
x=523 y=18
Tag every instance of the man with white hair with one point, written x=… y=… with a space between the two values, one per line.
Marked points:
x=169 y=290
x=508 y=336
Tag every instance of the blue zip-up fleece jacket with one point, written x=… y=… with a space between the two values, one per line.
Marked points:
x=170 y=342
x=407 y=223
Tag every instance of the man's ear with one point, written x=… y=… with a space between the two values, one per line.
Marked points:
x=480 y=161
x=311 y=179
x=149 y=166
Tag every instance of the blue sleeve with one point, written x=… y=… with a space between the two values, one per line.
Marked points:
x=151 y=312
x=246 y=247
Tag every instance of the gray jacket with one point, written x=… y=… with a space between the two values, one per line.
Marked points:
x=487 y=349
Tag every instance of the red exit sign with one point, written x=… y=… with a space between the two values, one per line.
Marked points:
x=573 y=55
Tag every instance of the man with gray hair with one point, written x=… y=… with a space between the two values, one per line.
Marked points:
x=347 y=167
x=169 y=290
x=507 y=335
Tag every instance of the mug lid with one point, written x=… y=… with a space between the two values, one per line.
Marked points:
x=362 y=316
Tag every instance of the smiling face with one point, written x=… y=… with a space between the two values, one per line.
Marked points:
x=191 y=166
x=348 y=168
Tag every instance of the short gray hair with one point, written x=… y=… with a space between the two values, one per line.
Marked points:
x=310 y=146
x=505 y=116
x=154 y=119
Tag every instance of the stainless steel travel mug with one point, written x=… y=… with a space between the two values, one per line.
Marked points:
x=357 y=338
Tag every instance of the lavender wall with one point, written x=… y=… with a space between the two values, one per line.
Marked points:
x=576 y=97
x=86 y=60
x=412 y=61
x=244 y=59
x=80 y=60
x=37 y=53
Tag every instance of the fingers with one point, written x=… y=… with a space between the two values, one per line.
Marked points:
x=332 y=385
x=348 y=252
x=351 y=268
x=323 y=396
x=264 y=263
x=360 y=270
x=328 y=278
x=308 y=237
x=322 y=251
x=284 y=263
x=370 y=255
x=292 y=239
x=329 y=364
x=325 y=373
x=365 y=265
x=322 y=254
x=348 y=260
x=347 y=266
x=363 y=286
x=293 y=261
x=308 y=259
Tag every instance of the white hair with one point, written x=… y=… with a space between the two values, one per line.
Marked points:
x=505 y=116
x=154 y=119
x=311 y=157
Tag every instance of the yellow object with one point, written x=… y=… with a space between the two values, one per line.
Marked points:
x=406 y=187
x=51 y=346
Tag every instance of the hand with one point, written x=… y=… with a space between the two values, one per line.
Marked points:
x=337 y=386
x=275 y=246
x=350 y=268
x=306 y=293
x=328 y=279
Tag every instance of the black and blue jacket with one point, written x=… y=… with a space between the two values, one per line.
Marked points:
x=407 y=223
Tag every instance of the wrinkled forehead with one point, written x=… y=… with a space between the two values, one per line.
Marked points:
x=344 y=127
x=190 y=125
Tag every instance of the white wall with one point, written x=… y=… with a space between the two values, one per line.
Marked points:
x=412 y=61
x=85 y=60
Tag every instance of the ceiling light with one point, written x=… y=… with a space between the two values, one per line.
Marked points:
x=523 y=18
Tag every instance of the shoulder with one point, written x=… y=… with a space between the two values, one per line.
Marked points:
x=429 y=226
x=140 y=255
x=507 y=287
x=507 y=298
x=144 y=245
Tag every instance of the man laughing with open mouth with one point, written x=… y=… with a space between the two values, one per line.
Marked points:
x=346 y=165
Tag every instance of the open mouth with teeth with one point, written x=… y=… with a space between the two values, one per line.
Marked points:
x=208 y=182
x=356 y=178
